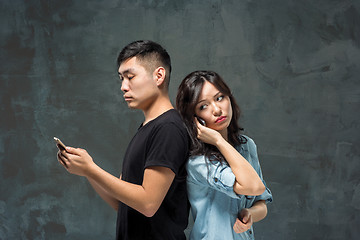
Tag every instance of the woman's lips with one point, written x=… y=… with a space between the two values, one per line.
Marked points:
x=220 y=119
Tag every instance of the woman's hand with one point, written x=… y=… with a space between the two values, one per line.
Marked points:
x=207 y=135
x=75 y=160
x=244 y=222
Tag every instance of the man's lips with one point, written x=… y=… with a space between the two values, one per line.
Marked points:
x=220 y=119
x=127 y=98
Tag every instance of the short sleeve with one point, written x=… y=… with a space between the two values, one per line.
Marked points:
x=212 y=174
x=168 y=147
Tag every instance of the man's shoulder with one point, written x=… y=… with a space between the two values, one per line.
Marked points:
x=169 y=116
x=170 y=119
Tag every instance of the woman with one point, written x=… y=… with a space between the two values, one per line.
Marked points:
x=225 y=186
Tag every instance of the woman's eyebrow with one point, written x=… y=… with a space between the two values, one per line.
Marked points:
x=219 y=93
x=203 y=100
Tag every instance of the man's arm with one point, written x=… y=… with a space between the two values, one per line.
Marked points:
x=104 y=195
x=145 y=198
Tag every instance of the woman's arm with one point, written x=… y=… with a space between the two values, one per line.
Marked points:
x=247 y=181
x=248 y=216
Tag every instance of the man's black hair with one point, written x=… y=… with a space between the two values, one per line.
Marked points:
x=148 y=52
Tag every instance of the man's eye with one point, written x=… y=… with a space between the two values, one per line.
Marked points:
x=130 y=77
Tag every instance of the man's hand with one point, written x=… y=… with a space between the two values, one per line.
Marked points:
x=244 y=222
x=75 y=160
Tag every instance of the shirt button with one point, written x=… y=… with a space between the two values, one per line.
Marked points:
x=216 y=180
x=250 y=232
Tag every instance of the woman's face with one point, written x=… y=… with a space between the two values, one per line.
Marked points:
x=214 y=108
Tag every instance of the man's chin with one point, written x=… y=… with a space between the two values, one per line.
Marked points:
x=132 y=105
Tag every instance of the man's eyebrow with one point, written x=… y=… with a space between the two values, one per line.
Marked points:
x=126 y=71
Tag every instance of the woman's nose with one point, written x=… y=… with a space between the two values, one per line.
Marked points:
x=216 y=110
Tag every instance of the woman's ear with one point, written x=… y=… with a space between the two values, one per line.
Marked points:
x=160 y=75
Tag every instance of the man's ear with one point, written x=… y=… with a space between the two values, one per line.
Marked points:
x=160 y=74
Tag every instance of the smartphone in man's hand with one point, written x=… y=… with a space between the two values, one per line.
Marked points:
x=60 y=145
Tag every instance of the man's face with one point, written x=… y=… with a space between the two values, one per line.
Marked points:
x=138 y=84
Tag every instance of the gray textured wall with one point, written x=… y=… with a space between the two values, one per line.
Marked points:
x=293 y=67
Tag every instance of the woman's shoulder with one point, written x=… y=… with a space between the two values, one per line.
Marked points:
x=200 y=162
x=248 y=143
x=196 y=166
x=196 y=160
x=248 y=140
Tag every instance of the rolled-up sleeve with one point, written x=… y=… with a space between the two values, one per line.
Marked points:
x=254 y=161
x=214 y=174
x=220 y=177
x=266 y=195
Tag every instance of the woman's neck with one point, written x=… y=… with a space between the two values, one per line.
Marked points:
x=224 y=134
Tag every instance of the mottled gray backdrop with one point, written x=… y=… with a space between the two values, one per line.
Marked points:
x=293 y=66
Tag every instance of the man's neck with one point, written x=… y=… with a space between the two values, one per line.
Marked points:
x=160 y=106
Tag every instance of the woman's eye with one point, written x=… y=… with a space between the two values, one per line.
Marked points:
x=219 y=98
x=202 y=107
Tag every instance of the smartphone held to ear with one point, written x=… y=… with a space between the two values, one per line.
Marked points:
x=59 y=144
x=201 y=121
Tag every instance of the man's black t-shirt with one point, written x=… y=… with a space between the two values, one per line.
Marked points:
x=161 y=142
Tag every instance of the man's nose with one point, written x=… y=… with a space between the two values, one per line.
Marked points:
x=124 y=85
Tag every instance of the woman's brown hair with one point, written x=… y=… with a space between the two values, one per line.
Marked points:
x=186 y=100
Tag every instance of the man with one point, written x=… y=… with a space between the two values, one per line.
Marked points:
x=150 y=195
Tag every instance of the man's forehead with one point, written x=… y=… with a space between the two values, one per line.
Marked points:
x=129 y=65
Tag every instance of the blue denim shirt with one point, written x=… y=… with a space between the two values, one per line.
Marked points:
x=214 y=204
